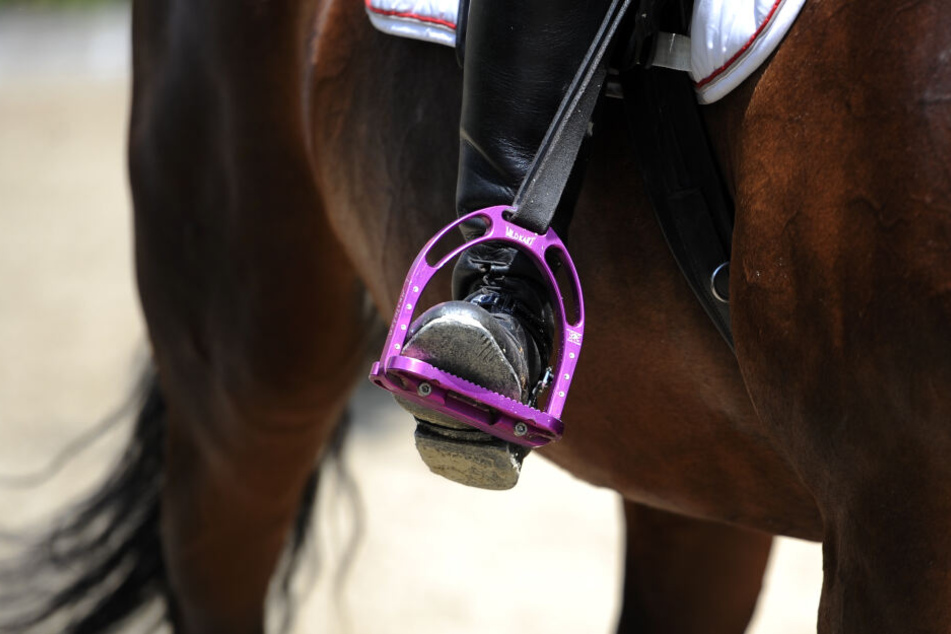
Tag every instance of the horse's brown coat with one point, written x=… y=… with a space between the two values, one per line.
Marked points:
x=282 y=151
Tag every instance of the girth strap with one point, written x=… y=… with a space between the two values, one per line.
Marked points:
x=684 y=183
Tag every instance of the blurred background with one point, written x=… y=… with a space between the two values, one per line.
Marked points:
x=433 y=556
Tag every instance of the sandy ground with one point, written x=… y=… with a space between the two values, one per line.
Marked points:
x=434 y=557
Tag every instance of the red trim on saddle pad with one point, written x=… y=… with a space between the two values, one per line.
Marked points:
x=410 y=16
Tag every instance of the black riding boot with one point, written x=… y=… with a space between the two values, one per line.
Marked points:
x=520 y=58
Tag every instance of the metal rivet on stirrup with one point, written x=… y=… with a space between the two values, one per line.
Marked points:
x=429 y=387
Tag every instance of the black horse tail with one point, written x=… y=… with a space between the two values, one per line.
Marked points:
x=102 y=564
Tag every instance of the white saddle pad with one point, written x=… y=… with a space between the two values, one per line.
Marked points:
x=729 y=39
x=427 y=20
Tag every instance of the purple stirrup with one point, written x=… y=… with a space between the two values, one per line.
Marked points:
x=462 y=400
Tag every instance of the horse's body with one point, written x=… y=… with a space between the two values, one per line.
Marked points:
x=285 y=157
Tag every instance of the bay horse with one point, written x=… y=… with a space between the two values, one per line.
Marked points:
x=287 y=162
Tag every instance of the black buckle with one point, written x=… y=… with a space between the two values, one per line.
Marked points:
x=645 y=33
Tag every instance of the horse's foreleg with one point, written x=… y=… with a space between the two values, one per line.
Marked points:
x=687 y=576
x=252 y=309
x=841 y=305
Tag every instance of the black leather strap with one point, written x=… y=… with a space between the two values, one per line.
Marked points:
x=462 y=23
x=683 y=181
x=537 y=198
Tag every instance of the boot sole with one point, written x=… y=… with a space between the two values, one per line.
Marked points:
x=461 y=341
